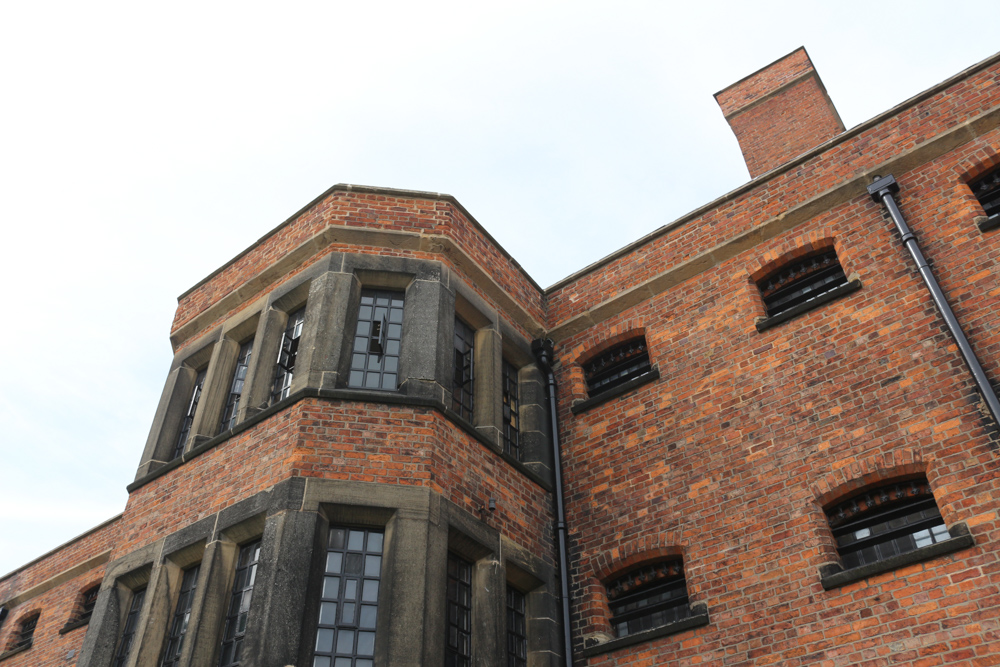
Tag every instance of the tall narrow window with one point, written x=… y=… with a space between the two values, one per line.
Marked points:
x=517 y=629
x=511 y=430
x=458 y=647
x=461 y=387
x=885 y=522
x=285 y=369
x=128 y=632
x=617 y=366
x=239 y=605
x=649 y=597
x=236 y=387
x=182 y=614
x=377 y=340
x=345 y=634
x=987 y=191
x=25 y=635
x=199 y=383
x=802 y=282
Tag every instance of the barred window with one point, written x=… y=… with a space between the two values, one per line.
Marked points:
x=84 y=609
x=378 y=338
x=25 y=634
x=236 y=387
x=801 y=281
x=462 y=383
x=345 y=633
x=287 y=354
x=182 y=614
x=517 y=629
x=649 y=597
x=617 y=366
x=199 y=383
x=458 y=647
x=129 y=630
x=987 y=191
x=511 y=405
x=885 y=522
x=239 y=605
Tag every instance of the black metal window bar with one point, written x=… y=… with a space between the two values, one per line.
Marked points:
x=288 y=352
x=182 y=614
x=617 y=366
x=128 y=631
x=458 y=647
x=239 y=605
x=462 y=382
x=517 y=629
x=236 y=387
x=986 y=188
x=345 y=634
x=647 y=598
x=801 y=281
x=885 y=522
x=511 y=405
x=87 y=603
x=25 y=635
x=199 y=383
x=377 y=340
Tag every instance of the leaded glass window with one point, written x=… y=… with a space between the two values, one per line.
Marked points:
x=801 y=281
x=617 y=366
x=377 y=340
x=886 y=522
x=182 y=614
x=239 y=605
x=128 y=631
x=647 y=598
x=462 y=383
x=517 y=629
x=345 y=633
x=25 y=635
x=236 y=387
x=458 y=647
x=511 y=404
x=199 y=383
x=285 y=368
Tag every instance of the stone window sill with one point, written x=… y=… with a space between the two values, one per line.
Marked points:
x=834 y=575
x=698 y=618
x=13 y=652
x=986 y=224
x=648 y=376
x=836 y=293
x=73 y=625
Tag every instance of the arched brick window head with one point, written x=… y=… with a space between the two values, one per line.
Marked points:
x=616 y=366
x=795 y=285
x=25 y=635
x=885 y=522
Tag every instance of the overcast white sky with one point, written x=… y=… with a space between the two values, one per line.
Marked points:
x=143 y=145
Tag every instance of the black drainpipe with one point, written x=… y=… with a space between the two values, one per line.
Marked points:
x=542 y=349
x=881 y=191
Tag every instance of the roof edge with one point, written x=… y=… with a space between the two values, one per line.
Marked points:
x=62 y=546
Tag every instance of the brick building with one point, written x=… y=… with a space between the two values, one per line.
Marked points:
x=776 y=445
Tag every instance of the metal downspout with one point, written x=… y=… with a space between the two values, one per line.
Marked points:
x=543 y=351
x=881 y=190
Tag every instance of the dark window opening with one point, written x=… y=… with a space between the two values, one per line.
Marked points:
x=885 y=522
x=517 y=629
x=458 y=647
x=986 y=188
x=378 y=337
x=128 y=632
x=647 y=598
x=801 y=281
x=345 y=633
x=25 y=635
x=182 y=614
x=199 y=383
x=617 y=366
x=239 y=605
x=236 y=387
x=462 y=382
x=88 y=600
x=511 y=405
x=287 y=354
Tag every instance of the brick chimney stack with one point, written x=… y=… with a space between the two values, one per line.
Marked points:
x=779 y=112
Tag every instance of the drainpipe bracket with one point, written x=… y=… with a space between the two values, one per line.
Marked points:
x=886 y=185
